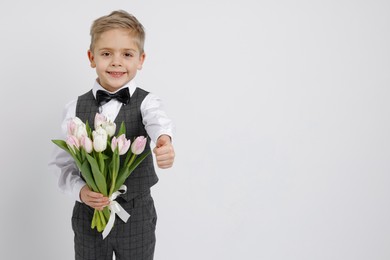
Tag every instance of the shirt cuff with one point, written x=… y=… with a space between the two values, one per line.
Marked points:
x=77 y=188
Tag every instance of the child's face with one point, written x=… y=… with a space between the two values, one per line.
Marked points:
x=116 y=58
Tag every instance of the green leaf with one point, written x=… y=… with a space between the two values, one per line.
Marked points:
x=102 y=165
x=83 y=153
x=62 y=144
x=138 y=161
x=126 y=171
x=105 y=156
x=128 y=156
x=122 y=176
x=114 y=168
x=122 y=129
x=87 y=174
x=88 y=128
x=115 y=163
x=108 y=151
x=100 y=180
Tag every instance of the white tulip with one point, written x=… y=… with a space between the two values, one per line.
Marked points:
x=99 y=139
x=110 y=128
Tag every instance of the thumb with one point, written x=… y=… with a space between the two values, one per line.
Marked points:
x=163 y=140
x=159 y=143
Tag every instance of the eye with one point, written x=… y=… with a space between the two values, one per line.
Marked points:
x=128 y=54
x=105 y=54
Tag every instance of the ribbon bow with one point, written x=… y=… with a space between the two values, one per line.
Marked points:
x=115 y=208
x=123 y=95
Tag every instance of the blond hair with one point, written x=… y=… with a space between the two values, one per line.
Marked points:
x=118 y=19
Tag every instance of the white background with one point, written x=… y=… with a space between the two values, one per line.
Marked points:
x=282 y=116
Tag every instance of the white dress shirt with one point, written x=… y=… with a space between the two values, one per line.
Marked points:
x=154 y=118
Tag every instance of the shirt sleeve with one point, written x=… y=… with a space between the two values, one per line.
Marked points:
x=155 y=119
x=63 y=165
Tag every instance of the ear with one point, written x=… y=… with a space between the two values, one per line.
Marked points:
x=91 y=59
x=141 y=61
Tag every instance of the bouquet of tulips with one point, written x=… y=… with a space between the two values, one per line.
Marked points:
x=97 y=156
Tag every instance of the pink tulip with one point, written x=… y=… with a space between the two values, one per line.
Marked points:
x=86 y=143
x=73 y=143
x=76 y=128
x=138 y=145
x=122 y=143
x=103 y=122
x=71 y=127
x=100 y=120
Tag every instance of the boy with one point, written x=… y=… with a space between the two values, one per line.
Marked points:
x=116 y=53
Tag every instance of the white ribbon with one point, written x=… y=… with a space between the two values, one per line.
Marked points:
x=115 y=208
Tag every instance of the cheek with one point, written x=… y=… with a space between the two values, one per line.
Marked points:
x=101 y=67
x=131 y=68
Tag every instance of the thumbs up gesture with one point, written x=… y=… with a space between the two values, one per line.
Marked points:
x=164 y=152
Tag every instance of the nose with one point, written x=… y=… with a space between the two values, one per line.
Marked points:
x=116 y=61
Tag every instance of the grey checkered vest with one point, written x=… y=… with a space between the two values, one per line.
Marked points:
x=144 y=176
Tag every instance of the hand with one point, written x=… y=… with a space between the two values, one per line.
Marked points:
x=164 y=152
x=93 y=199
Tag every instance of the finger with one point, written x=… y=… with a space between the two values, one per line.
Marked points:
x=165 y=163
x=96 y=197
x=96 y=207
x=163 y=150
x=163 y=140
x=97 y=204
x=93 y=194
x=164 y=157
x=102 y=201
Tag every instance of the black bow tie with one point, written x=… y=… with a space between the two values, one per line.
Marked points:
x=123 y=95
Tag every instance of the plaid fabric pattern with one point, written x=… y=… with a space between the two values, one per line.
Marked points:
x=136 y=238
x=144 y=176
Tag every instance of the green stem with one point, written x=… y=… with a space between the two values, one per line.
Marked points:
x=113 y=181
x=93 y=222
x=103 y=219
x=101 y=163
x=98 y=222
x=131 y=160
x=106 y=213
x=115 y=169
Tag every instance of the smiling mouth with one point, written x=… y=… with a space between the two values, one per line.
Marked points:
x=116 y=74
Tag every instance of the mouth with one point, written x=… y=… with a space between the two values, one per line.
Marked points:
x=116 y=74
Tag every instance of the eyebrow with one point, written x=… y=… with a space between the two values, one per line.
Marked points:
x=109 y=49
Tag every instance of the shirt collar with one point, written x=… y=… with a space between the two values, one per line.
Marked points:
x=131 y=85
